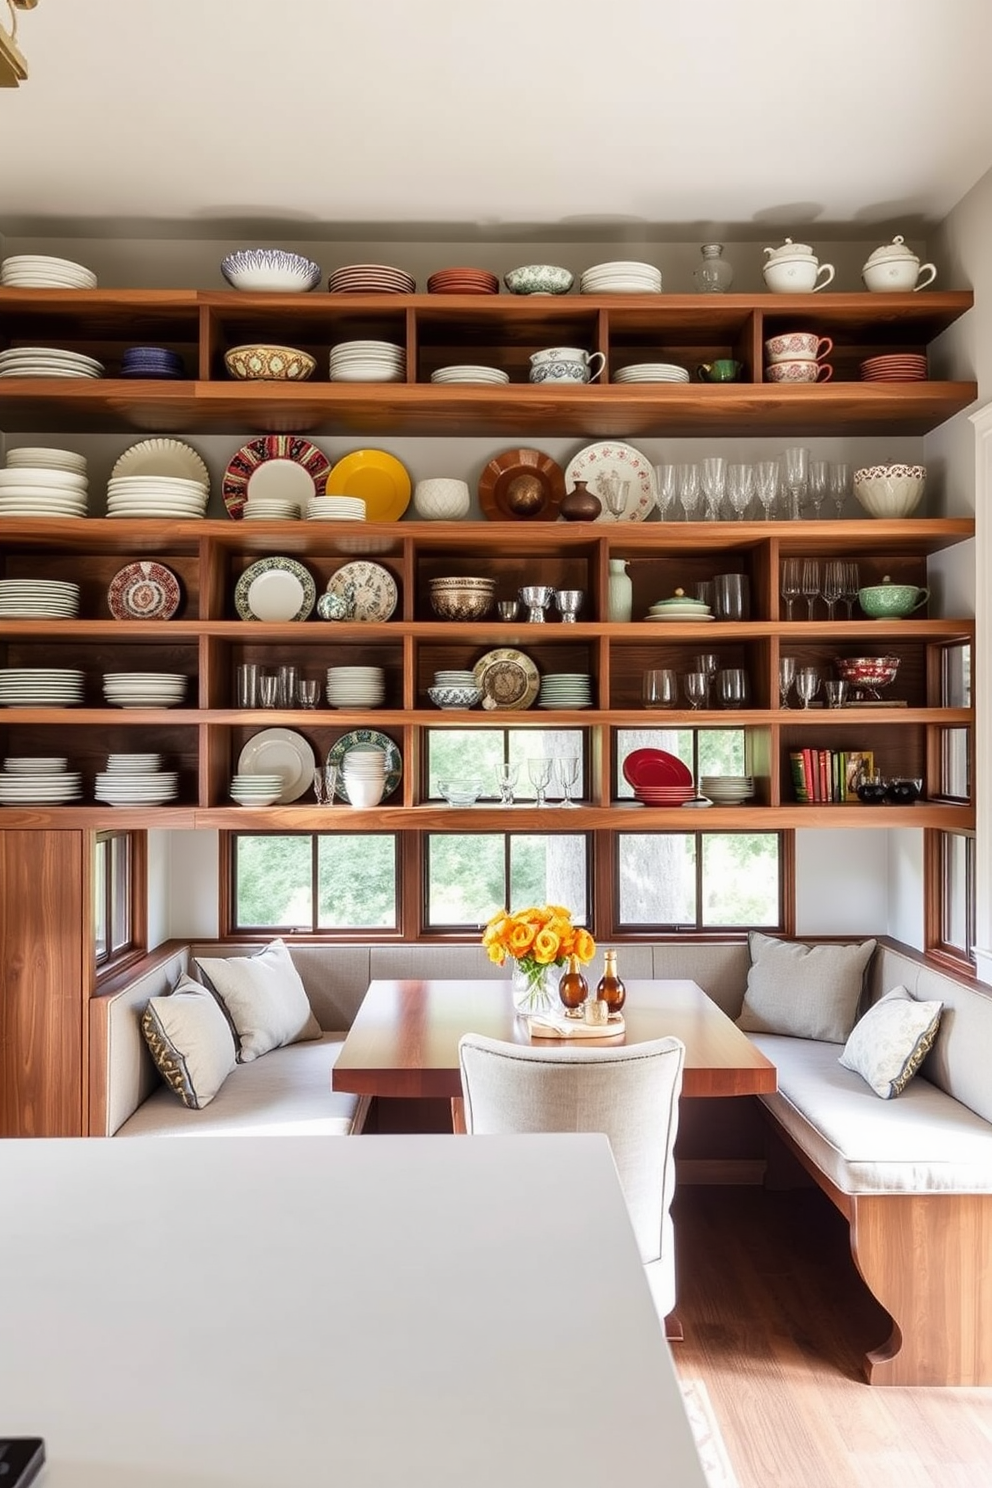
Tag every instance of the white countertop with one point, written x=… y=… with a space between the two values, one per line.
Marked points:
x=425 y=1312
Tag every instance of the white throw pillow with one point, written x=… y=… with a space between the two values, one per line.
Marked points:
x=190 y=1041
x=888 y=1045
x=264 y=997
x=803 y=991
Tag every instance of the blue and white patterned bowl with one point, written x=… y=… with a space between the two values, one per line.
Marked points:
x=270 y=270
x=454 y=697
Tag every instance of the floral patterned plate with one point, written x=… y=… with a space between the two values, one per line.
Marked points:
x=143 y=591
x=602 y=464
x=368 y=588
x=271 y=447
x=275 y=589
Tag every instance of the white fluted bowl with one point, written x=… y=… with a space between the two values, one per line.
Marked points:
x=441 y=499
x=890 y=490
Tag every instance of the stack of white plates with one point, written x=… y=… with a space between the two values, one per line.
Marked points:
x=144 y=689
x=355 y=686
x=256 y=790
x=38 y=782
x=490 y=375
x=336 y=509
x=155 y=496
x=367 y=361
x=727 y=790
x=39 y=271
x=40 y=687
x=47 y=361
x=363 y=774
x=31 y=458
x=133 y=764
x=621 y=277
x=370 y=279
x=134 y=787
x=270 y=509
x=452 y=678
x=38 y=599
x=26 y=491
x=565 y=690
x=651 y=372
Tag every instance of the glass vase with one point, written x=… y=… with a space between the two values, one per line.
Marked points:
x=714 y=275
x=534 y=989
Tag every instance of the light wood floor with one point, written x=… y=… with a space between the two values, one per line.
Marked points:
x=776 y=1320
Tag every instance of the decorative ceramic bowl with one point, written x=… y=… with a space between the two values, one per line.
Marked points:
x=890 y=490
x=454 y=697
x=269 y=363
x=460 y=792
x=441 y=499
x=867 y=671
x=539 y=279
x=462 y=602
x=270 y=270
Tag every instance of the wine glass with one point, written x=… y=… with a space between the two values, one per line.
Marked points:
x=614 y=493
x=786 y=677
x=740 y=488
x=568 y=774
x=713 y=478
x=840 y=484
x=852 y=584
x=792 y=586
x=506 y=778
x=807 y=684
x=697 y=686
x=689 y=489
x=709 y=663
x=819 y=485
x=833 y=585
x=319 y=788
x=796 y=479
x=667 y=484
x=539 y=772
x=810 y=583
x=768 y=476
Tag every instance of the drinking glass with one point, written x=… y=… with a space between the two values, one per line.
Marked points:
x=689 y=489
x=506 y=778
x=836 y=693
x=667 y=484
x=819 y=485
x=659 y=688
x=319 y=787
x=247 y=676
x=306 y=693
x=539 y=773
x=709 y=663
x=568 y=774
x=796 y=479
x=697 y=686
x=268 y=690
x=840 y=484
x=740 y=488
x=810 y=583
x=792 y=586
x=786 y=677
x=713 y=478
x=768 y=477
x=833 y=585
x=807 y=684
x=614 y=493
x=331 y=773
x=731 y=685
x=287 y=680
x=852 y=583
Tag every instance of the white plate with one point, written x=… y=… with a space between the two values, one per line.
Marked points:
x=611 y=458
x=169 y=457
x=282 y=480
x=279 y=751
x=275 y=590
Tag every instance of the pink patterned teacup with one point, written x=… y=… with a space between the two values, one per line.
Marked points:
x=799 y=372
x=798 y=346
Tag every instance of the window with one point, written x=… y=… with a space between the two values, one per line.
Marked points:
x=703 y=751
x=116 y=863
x=950 y=883
x=699 y=880
x=469 y=876
x=315 y=881
x=478 y=754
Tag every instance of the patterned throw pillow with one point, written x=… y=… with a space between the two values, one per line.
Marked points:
x=264 y=997
x=801 y=990
x=190 y=1041
x=888 y=1045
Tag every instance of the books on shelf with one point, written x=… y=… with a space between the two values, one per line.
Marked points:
x=829 y=775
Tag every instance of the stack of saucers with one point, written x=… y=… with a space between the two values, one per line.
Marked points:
x=151 y=361
x=355 y=686
x=40 y=271
x=484 y=375
x=47 y=361
x=38 y=599
x=463 y=281
x=127 y=781
x=450 y=677
x=35 y=491
x=898 y=367
x=155 y=496
x=363 y=773
x=133 y=764
x=367 y=361
x=270 y=509
x=370 y=279
x=665 y=795
x=30 y=458
x=144 y=689
x=565 y=690
x=651 y=372
x=256 y=790
x=621 y=277
x=34 y=781
x=728 y=790
x=41 y=687
x=335 y=509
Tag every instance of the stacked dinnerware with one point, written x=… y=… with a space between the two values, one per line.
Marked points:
x=728 y=790
x=483 y=375
x=38 y=599
x=621 y=277
x=363 y=775
x=151 y=361
x=129 y=781
x=30 y=458
x=897 y=367
x=42 y=491
x=133 y=764
x=144 y=689
x=256 y=790
x=451 y=677
x=665 y=795
x=356 y=686
x=29 y=781
x=454 y=689
x=270 y=509
x=370 y=279
x=335 y=509
x=41 y=687
x=367 y=361
x=270 y=271
x=40 y=271
x=47 y=361
x=463 y=281
x=651 y=372
x=565 y=690
x=155 y=496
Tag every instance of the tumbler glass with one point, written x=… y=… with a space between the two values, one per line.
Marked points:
x=660 y=688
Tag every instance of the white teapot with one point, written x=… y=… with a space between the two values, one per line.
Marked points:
x=895 y=267
x=795 y=269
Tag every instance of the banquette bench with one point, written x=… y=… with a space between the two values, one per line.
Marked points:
x=912 y=1175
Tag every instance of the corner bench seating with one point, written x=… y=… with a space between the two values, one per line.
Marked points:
x=912 y=1176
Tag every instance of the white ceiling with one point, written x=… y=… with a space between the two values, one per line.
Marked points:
x=574 y=117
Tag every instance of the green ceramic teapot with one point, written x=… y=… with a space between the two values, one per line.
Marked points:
x=889 y=601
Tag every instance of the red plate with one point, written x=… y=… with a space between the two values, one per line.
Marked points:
x=271 y=447
x=655 y=767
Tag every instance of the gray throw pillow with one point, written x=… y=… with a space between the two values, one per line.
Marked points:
x=264 y=997
x=888 y=1045
x=191 y=1042
x=803 y=991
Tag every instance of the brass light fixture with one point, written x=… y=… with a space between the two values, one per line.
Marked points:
x=13 y=67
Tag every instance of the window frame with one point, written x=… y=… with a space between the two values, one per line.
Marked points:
x=621 y=930
x=450 y=931
x=135 y=891
x=231 y=927
x=936 y=895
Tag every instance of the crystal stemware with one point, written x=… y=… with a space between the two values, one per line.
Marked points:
x=810 y=583
x=786 y=677
x=613 y=490
x=709 y=663
x=792 y=586
x=539 y=773
x=840 y=484
x=819 y=485
x=740 y=489
x=713 y=479
x=697 y=686
x=852 y=584
x=833 y=585
x=667 y=485
x=568 y=775
x=689 y=490
x=319 y=788
x=807 y=684
x=506 y=778
x=331 y=773
x=796 y=479
x=768 y=477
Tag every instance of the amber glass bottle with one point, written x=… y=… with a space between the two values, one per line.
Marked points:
x=573 y=989
x=611 y=989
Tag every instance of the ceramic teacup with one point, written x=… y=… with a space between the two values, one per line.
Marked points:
x=888 y=601
x=797 y=275
x=798 y=346
x=799 y=372
x=898 y=274
x=724 y=369
x=566 y=364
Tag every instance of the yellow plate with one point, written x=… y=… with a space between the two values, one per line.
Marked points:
x=379 y=479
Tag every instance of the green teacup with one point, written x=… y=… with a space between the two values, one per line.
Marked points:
x=889 y=601
x=723 y=370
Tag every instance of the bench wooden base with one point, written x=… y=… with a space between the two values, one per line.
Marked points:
x=927 y=1259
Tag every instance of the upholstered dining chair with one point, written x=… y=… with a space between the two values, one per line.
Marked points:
x=630 y=1093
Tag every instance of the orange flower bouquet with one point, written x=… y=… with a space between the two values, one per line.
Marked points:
x=536 y=940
